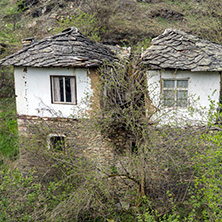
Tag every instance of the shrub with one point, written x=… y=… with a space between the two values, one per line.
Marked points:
x=8 y=129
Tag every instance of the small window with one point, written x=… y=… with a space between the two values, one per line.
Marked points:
x=63 y=89
x=134 y=148
x=56 y=142
x=175 y=93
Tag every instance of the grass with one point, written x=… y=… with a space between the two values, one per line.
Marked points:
x=8 y=129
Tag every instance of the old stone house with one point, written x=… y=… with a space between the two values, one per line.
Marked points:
x=56 y=77
x=184 y=76
x=54 y=82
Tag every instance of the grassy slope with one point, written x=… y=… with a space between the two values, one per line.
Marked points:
x=8 y=129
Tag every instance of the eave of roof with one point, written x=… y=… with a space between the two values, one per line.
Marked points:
x=178 y=50
x=67 y=49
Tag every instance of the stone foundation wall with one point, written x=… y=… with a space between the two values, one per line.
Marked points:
x=80 y=140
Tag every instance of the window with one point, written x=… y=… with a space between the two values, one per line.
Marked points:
x=63 y=89
x=56 y=142
x=134 y=148
x=175 y=93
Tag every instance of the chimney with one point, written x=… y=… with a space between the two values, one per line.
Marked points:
x=28 y=41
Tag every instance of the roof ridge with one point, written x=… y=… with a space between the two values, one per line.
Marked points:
x=188 y=35
x=64 y=32
x=72 y=40
x=177 y=49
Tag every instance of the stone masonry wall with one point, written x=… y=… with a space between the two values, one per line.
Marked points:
x=80 y=140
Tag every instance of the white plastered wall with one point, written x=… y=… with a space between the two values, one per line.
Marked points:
x=203 y=88
x=33 y=92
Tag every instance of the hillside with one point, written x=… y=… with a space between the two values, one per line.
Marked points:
x=121 y=164
x=109 y=21
x=124 y=22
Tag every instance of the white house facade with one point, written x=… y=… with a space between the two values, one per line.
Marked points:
x=55 y=76
x=184 y=96
x=54 y=83
x=52 y=92
x=184 y=77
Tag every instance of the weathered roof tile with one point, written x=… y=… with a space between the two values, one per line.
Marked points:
x=183 y=51
x=67 y=49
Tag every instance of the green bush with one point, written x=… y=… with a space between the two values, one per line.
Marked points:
x=74 y=193
x=8 y=129
x=208 y=201
x=86 y=23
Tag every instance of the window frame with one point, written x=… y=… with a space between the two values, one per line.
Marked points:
x=175 y=89
x=52 y=90
x=51 y=145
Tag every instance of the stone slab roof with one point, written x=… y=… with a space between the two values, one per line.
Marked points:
x=178 y=50
x=67 y=49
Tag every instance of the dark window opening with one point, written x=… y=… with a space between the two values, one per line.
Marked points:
x=134 y=148
x=68 y=89
x=61 y=89
x=57 y=143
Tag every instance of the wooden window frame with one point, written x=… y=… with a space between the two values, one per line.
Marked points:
x=176 y=89
x=53 y=88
